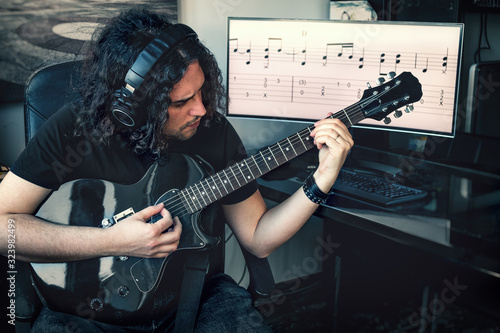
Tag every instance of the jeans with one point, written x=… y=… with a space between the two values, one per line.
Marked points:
x=224 y=307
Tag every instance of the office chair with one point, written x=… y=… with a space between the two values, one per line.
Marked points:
x=46 y=91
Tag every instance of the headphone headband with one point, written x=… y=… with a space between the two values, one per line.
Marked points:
x=154 y=51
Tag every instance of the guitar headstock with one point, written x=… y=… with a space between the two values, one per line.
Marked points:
x=378 y=102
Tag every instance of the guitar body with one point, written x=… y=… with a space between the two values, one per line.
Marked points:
x=110 y=289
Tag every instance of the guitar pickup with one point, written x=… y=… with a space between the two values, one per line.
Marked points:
x=123 y=215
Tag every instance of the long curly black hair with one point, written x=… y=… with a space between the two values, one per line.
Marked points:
x=111 y=54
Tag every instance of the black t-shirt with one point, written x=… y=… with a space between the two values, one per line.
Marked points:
x=55 y=155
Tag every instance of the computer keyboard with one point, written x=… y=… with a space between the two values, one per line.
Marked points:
x=375 y=189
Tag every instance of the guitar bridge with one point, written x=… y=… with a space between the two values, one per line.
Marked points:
x=123 y=215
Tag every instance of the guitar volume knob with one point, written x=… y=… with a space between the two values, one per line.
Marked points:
x=96 y=304
x=123 y=291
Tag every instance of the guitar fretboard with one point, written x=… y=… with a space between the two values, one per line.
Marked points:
x=220 y=184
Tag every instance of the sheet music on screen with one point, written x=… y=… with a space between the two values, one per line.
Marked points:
x=302 y=69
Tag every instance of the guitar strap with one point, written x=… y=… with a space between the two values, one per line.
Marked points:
x=195 y=269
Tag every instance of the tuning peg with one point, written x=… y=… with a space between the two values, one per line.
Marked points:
x=368 y=85
x=409 y=108
x=387 y=120
x=380 y=80
x=397 y=114
x=391 y=75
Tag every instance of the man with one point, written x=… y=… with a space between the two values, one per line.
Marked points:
x=181 y=99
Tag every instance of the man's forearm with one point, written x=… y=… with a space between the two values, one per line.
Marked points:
x=37 y=240
x=281 y=222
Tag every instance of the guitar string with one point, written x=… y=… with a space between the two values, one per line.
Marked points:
x=175 y=203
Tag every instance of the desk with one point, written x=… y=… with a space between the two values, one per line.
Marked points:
x=457 y=225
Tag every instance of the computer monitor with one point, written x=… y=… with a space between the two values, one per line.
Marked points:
x=283 y=74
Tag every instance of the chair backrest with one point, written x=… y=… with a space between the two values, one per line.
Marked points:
x=47 y=90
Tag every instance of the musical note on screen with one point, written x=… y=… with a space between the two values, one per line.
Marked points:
x=445 y=62
x=338 y=48
x=248 y=51
x=396 y=62
x=426 y=66
x=268 y=49
x=302 y=53
x=386 y=64
x=362 y=59
x=380 y=62
x=233 y=41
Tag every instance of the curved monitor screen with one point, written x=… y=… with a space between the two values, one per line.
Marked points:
x=303 y=69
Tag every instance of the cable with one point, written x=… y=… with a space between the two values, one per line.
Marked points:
x=229 y=237
x=486 y=32
x=243 y=274
x=244 y=266
x=483 y=26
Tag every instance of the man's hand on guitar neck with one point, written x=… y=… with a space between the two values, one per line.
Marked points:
x=334 y=141
x=134 y=236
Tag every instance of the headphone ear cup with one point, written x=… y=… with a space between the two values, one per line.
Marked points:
x=125 y=109
x=126 y=112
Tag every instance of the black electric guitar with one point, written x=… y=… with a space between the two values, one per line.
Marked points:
x=112 y=288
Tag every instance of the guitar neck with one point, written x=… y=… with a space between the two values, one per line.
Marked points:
x=222 y=183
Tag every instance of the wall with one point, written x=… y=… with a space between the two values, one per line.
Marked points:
x=471 y=37
x=472 y=23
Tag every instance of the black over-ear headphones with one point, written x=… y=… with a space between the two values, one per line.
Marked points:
x=124 y=108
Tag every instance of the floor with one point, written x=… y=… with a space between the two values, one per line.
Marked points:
x=387 y=287
x=308 y=310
